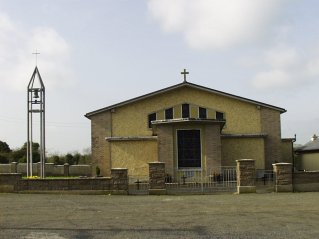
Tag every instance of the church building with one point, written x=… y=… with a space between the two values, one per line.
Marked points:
x=189 y=127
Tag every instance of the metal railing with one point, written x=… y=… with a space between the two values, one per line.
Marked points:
x=264 y=177
x=138 y=185
x=220 y=179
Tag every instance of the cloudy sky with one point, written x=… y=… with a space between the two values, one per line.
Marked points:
x=100 y=52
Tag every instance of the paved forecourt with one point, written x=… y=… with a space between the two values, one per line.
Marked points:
x=286 y=215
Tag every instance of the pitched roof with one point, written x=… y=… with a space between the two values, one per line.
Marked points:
x=177 y=86
x=312 y=145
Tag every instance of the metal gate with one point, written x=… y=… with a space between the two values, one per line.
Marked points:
x=265 y=180
x=138 y=185
x=222 y=179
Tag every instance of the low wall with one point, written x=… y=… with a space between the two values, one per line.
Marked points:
x=117 y=184
x=306 y=181
x=5 y=168
x=65 y=184
x=80 y=170
x=50 y=169
x=9 y=182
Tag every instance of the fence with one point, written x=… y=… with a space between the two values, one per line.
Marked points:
x=191 y=181
x=221 y=179
x=265 y=180
x=138 y=185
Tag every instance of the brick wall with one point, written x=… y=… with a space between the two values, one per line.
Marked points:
x=212 y=147
x=166 y=147
x=65 y=184
x=306 y=181
x=13 y=183
x=270 y=124
x=101 y=127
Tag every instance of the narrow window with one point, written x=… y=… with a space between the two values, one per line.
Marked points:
x=169 y=113
x=189 y=148
x=185 y=110
x=219 y=115
x=151 y=117
x=202 y=113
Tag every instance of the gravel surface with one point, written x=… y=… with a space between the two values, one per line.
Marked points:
x=270 y=215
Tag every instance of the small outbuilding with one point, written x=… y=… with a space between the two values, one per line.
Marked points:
x=308 y=155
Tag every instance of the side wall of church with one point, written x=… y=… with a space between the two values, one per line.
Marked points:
x=101 y=127
x=270 y=124
x=243 y=148
x=286 y=151
x=135 y=156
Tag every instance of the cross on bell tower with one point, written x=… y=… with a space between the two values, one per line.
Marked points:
x=36 y=53
x=185 y=73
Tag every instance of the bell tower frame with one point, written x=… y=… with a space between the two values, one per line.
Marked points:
x=36 y=105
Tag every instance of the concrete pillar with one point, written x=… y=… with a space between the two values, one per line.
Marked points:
x=38 y=169
x=49 y=168
x=66 y=171
x=14 y=167
x=283 y=177
x=246 y=176
x=157 y=178
x=120 y=180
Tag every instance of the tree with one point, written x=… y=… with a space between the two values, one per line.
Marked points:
x=77 y=157
x=4 y=152
x=4 y=158
x=4 y=147
x=20 y=155
x=69 y=159
x=58 y=160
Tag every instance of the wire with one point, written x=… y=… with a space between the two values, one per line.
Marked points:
x=14 y=120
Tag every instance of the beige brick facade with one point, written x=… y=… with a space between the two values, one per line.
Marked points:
x=234 y=148
x=251 y=130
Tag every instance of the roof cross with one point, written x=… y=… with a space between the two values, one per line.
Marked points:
x=36 y=53
x=184 y=73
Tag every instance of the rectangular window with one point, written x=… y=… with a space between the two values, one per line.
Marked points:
x=169 y=113
x=219 y=115
x=151 y=117
x=189 y=148
x=185 y=110
x=202 y=113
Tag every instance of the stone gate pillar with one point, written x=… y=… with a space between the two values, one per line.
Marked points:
x=157 y=178
x=14 y=167
x=283 y=177
x=246 y=176
x=120 y=180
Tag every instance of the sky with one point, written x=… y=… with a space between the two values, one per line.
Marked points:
x=100 y=52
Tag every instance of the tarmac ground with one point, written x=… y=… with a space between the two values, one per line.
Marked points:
x=58 y=216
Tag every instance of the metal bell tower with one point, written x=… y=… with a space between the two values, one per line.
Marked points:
x=36 y=105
